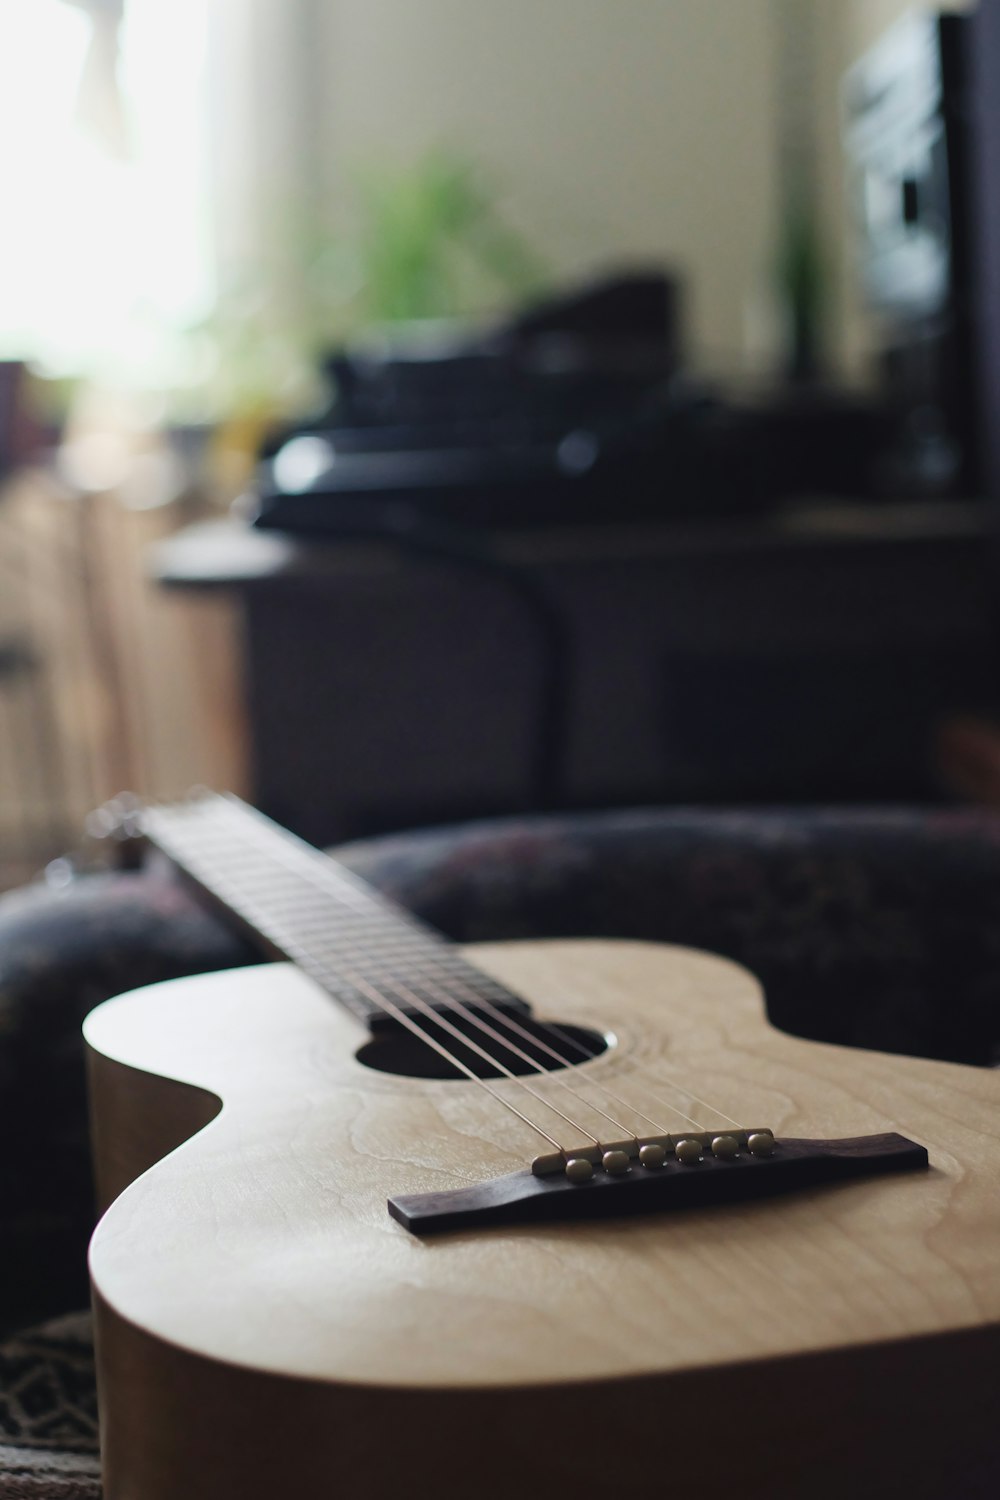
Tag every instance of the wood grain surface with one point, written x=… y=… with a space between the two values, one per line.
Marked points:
x=260 y=1315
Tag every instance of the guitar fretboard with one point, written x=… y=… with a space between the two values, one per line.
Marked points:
x=300 y=904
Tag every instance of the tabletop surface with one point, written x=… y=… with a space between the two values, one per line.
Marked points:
x=232 y=552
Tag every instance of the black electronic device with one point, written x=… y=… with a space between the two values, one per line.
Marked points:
x=565 y=412
x=908 y=143
x=984 y=116
x=572 y=413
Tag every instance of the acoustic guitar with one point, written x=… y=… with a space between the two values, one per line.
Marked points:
x=563 y=1219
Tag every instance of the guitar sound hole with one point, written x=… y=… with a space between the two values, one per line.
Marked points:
x=396 y=1050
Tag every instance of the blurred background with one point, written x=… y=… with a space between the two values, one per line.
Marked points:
x=415 y=412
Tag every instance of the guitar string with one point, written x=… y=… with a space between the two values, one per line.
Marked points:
x=642 y=1068
x=321 y=872
x=316 y=864
x=301 y=957
x=405 y=992
x=366 y=896
x=447 y=994
x=328 y=876
x=365 y=901
x=567 y=1062
x=306 y=961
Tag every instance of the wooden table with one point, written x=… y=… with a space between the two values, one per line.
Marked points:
x=809 y=653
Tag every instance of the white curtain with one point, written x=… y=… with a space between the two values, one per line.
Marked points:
x=100 y=111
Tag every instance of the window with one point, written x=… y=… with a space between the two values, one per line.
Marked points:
x=104 y=233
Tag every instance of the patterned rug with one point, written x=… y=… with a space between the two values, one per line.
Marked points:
x=48 y=1413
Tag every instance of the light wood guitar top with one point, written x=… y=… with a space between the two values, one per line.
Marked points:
x=264 y=1241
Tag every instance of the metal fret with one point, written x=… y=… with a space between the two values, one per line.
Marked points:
x=305 y=907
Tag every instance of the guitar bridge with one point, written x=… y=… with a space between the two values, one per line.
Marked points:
x=681 y=1181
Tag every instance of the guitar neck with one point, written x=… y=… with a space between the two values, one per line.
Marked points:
x=297 y=903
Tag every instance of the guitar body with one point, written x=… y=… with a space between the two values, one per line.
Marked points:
x=265 y=1329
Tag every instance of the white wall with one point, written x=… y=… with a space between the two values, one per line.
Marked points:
x=868 y=19
x=616 y=129
x=620 y=128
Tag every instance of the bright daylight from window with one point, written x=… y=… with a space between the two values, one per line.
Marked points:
x=104 y=248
